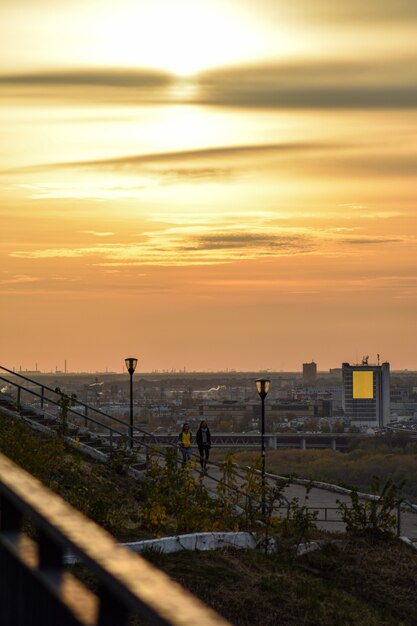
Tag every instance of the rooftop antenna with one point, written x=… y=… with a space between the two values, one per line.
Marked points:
x=377 y=356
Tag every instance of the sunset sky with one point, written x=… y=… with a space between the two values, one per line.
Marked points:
x=209 y=185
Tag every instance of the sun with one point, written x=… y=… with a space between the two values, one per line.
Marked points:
x=183 y=38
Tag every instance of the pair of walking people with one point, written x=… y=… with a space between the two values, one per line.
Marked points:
x=203 y=442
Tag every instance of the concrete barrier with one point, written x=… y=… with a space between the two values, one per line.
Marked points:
x=196 y=542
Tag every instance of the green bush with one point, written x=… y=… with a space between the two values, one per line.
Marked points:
x=375 y=518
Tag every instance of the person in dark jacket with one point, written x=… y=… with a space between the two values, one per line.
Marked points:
x=204 y=443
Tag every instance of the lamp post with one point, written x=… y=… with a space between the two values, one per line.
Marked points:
x=262 y=387
x=131 y=366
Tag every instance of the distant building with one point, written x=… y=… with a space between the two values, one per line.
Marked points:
x=336 y=372
x=399 y=394
x=319 y=407
x=366 y=394
x=309 y=373
x=210 y=410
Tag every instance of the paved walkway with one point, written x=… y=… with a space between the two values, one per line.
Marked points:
x=324 y=501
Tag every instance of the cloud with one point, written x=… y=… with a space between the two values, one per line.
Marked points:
x=374 y=164
x=384 y=83
x=312 y=84
x=244 y=150
x=80 y=189
x=93 y=77
x=205 y=244
x=19 y=279
x=215 y=217
x=189 y=245
x=196 y=174
x=353 y=205
x=121 y=86
x=356 y=11
x=98 y=233
x=269 y=243
x=199 y=246
x=228 y=163
x=199 y=160
x=371 y=241
x=227 y=238
x=52 y=253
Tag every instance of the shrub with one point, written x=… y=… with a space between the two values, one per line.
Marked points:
x=374 y=517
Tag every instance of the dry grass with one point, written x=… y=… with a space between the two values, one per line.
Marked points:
x=346 y=583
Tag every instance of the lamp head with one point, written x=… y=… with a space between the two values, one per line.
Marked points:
x=262 y=386
x=131 y=365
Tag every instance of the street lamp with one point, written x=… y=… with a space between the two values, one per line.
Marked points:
x=131 y=366
x=262 y=387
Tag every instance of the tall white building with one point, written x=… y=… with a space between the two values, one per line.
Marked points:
x=366 y=394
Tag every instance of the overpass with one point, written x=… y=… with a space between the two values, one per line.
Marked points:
x=274 y=441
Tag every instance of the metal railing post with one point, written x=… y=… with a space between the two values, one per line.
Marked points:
x=42 y=395
x=111 y=610
x=225 y=478
x=11 y=517
x=85 y=416
x=51 y=554
x=18 y=397
x=146 y=451
x=399 y=519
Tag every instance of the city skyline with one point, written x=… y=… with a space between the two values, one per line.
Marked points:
x=335 y=370
x=208 y=185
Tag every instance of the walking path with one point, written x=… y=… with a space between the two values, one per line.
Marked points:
x=325 y=502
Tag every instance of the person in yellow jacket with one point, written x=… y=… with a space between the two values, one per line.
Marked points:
x=184 y=443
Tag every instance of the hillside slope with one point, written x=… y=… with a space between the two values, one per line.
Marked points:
x=356 y=582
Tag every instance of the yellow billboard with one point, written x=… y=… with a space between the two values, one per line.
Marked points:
x=363 y=385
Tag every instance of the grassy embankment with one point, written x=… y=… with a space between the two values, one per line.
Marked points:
x=109 y=498
x=356 y=583
x=347 y=583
